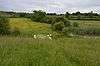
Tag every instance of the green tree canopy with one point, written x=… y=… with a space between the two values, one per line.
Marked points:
x=38 y=16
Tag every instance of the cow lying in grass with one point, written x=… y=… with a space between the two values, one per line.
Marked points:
x=41 y=36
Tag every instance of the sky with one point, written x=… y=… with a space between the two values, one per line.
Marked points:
x=57 y=6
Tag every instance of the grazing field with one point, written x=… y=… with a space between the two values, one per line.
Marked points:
x=28 y=27
x=19 y=51
x=27 y=51
x=89 y=23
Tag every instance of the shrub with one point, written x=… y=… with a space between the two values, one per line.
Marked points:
x=58 y=26
x=59 y=23
x=62 y=19
x=4 y=26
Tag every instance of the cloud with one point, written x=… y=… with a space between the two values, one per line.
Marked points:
x=58 y=6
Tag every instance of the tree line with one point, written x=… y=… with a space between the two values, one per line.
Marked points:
x=72 y=16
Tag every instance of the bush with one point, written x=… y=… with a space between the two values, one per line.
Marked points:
x=4 y=26
x=62 y=19
x=60 y=22
x=58 y=26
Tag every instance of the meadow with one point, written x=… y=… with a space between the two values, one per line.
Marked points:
x=19 y=51
x=26 y=26
x=27 y=51
x=88 y=23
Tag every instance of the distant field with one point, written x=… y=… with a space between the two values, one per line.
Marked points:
x=27 y=26
x=19 y=51
x=89 y=23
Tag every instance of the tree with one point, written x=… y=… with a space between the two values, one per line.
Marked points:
x=38 y=16
x=78 y=13
x=67 y=14
x=90 y=14
x=4 y=26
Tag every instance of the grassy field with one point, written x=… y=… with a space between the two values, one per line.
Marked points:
x=27 y=51
x=27 y=26
x=19 y=51
x=89 y=23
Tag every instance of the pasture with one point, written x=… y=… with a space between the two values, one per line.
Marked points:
x=88 y=23
x=19 y=51
x=27 y=51
x=26 y=26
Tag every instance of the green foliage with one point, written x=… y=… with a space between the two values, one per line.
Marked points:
x=58 y=26
x=67 y=23
x=4 y=26
x=62 y=19
x=60 y=22
x=48 y=20
x=67 y=14
x=38 y=16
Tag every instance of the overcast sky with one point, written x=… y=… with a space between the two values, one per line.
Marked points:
x=58 y=6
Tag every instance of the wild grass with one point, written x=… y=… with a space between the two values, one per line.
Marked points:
x=19 y=51
x=26 y=26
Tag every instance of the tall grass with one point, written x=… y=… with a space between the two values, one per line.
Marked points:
x=20 y=51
